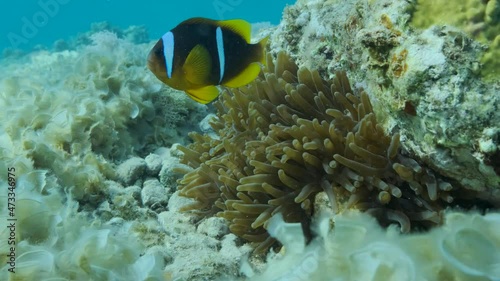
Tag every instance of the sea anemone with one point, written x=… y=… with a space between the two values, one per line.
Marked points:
x=290 y=135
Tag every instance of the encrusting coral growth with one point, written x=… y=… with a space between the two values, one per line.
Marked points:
x=289 y=136
x=426 y=84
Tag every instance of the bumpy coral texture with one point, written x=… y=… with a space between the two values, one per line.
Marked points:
x=425 y=82
x=479 y=18
x=290 y=135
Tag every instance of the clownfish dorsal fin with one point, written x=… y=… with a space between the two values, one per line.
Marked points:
x=203 y=95
x=238 y=26
x=244 y=77
x=197 y=20
x=198 y=65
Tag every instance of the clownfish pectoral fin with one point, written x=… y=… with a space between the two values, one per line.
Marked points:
x=203 y=95
x=198 y=65
x=240 y=27
x=245 y=77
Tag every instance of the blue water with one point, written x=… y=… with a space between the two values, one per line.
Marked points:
x=26 y=24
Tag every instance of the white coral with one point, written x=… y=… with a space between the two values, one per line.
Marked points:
x=357 y=248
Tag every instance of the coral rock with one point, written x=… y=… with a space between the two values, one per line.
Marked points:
x=131 y=170
x=154 y=194
x=427 y=84
x=153 y=164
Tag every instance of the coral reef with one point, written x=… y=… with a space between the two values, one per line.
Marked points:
x=199 y=251
x=426 y=84
x=88 y=132
x=91 y=134
x=289 y=136
x=54 y=240
x=83 y=115
x=465 y=248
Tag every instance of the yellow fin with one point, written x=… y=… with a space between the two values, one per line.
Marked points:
x=198 y=65
x=245 y=77
x=203 y=95
x=263 y=44
x=238 y=26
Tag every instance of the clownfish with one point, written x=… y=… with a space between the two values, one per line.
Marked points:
x=200 y=53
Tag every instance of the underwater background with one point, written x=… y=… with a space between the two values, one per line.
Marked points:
x=368 y=147
x=42 y=22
